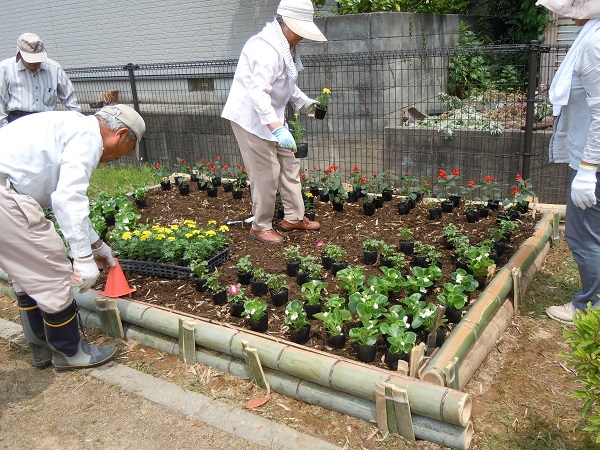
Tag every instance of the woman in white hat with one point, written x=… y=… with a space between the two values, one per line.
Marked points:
x=264 y=83
x=575 y=96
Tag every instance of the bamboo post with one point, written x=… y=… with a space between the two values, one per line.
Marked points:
x=556 y=228
x=452 y=373
x=402 y=368
x=110 y=317
x=432 y=336
x=187 y=341
x=517 y=289
x=393 y=410
x=255 y=366
x=417 y=354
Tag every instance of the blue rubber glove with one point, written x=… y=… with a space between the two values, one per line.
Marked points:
x=285 y=138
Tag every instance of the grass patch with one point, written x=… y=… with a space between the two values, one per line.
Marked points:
x=108 y=178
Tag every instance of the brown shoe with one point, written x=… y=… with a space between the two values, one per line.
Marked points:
x=268 y=236
x=304 y=224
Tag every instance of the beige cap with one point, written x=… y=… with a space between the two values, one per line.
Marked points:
x=573 y=9
x=31 y=48
x=298 y=16
x=132 y=120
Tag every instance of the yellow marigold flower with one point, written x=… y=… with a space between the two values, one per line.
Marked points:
x=126 y=236
x=212 y=222
x=188 y=235
x=210 y=233
x=160 y=236
x=196 y=232
x=171 y=238
x=308 y=195
x=174 y=227
x=146 y=233
x=136 y=232
x=144 y=237
x=156 y=227
x=223 y=228
x=189 y=223
x=167 y=231
x=326 y=91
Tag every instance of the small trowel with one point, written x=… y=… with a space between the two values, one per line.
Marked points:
x=236 y=222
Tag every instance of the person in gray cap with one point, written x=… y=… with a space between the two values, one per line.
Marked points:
x=46 y=160
x=32 y=82
x=263 y=84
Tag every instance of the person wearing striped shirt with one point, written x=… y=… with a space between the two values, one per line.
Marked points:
x=32 y=82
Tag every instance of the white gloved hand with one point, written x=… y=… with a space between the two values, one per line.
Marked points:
x=285 y=138
x=583 y=187
x=103 y=255
x=310 y=107
x=85 y=273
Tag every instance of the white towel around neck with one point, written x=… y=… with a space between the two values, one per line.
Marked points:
x=560 y=88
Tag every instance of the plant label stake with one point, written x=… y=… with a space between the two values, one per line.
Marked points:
x=187 y=341
x=517 y=289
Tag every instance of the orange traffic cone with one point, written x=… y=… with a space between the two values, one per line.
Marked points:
x=116 y=284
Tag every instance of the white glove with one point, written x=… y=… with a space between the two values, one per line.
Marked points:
x=85 y=273
x=583 y=187
x=285 y=138
x=310 y=107
x=103 y=255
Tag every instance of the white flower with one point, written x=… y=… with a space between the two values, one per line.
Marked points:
x=375 y=306
x=426 y=280
x=325 y=314
x=294 y=316
x=459 y=277
x=339 y=328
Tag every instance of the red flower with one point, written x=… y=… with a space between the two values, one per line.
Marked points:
x=329 y=170
x=214 y=168
x=157 y=165
x=374 y=175
x=389 y=171
x=226 y=166
x=471 y=184
x=455 y=172
x=515 y=190
x=218 y=158
x=315 y=167
x=407 y=174
x=442 y=174
x=202 y=160
x=181 y=161
x=356 y=169
x=243 y=169
x=303 y=177
x=518 y=177
x=208 y=164
x=487 y=179
x=363 y=180
x=334 y=166
x=426 y=183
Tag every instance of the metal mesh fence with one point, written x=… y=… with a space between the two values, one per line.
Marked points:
x=406 y=111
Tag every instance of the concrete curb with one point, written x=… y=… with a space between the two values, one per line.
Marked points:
x=220 y=415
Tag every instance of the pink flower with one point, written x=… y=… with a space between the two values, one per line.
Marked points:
x=233 y=289
x=319 y=243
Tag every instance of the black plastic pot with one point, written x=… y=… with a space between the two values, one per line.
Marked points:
x=453 y=315
x=320 y=112
x=301 y=150
x=228 y=186
x=435 y=213
x=291 y=268
x=244 y=278
x=259 y=288
x=311 y=310
x=493 y=204
x=212 y=191
x=201 y=285
x=484 y=212
x=447 y=206
x=302 y=278
x=279 y=298
x=366 y=353
x=141 y=203
x=201 y=185
x=326 y=262
x=352 y=197
x=420 y=261
x=261 y=325
x=236 y=309
x=480 y=281
x=220 y=297
x=391 y=359
x=455 y=200
x=378 y=202
x=370 y=257
x=165 y=185
x=300 y=336
x=336 y=267
x=387 y=195
x=216 y=181
x=184 y=189
x=369 y=208
x=324 y=197
x=407 y=247
x=237 y=194
x=403 y=208
x=472 y=215
x=338 y=206
x=336 y=342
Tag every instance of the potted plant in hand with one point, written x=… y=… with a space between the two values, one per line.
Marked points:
x=298 y=131
x=255 y=311
x=322 y=103
x=333 y=322
x=295 y=318
x=244 y=270
x=236 y=298
x=219 y=294
x=312 y=293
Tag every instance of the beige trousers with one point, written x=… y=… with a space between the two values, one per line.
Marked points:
x=269 y=167
x=32 y=252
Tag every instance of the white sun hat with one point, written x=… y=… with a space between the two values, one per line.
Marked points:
x=574 y=9
x=298 y=16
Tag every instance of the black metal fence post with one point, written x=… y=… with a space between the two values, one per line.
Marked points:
x=130 y=67
x=534 y=54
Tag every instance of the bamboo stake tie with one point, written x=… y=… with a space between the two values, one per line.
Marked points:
x=110 y=317
x=187 y=341
x=255 y=366
x=393 y=410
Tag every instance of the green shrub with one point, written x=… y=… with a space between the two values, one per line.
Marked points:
x=585 y=360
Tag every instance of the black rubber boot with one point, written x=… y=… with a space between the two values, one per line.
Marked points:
x=33 y=329
x=69 y=351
